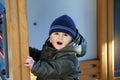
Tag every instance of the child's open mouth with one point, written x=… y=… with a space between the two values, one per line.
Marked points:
x=59 y=43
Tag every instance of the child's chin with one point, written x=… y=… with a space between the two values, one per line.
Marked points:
x=58 y=48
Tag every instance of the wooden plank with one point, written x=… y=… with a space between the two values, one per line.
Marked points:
x=89 y=70
x=116 y=78
x=90 y=77
x=23 y=36
x=110 y=39
x=13 y=39
x=89 y=64
x=17 y=42
x=102 y=37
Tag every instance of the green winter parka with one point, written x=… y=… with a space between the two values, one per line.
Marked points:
x=52 y=64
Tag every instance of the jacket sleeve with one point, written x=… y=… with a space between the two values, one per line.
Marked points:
x=64 y=65
x=35 y=53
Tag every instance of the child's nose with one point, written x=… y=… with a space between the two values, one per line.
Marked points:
x=60 y=37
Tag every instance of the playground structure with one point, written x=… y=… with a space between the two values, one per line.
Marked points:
x=17 y=43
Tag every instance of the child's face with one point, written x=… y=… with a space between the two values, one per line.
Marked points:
x=59 y=39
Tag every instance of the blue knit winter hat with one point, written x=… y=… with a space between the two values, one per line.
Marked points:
x=64 y=24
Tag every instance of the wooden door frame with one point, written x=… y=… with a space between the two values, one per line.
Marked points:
x=105 y=38
x=102 y=37
x=110 y=39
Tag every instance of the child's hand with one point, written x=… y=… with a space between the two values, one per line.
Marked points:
x=29 y=62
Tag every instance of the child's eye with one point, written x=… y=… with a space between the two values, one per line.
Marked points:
x=56 y=33
x=65 y=34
